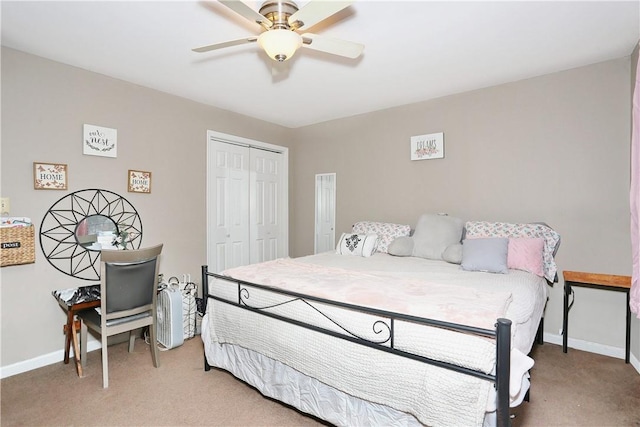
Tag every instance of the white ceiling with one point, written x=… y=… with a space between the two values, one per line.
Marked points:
x=414 y=51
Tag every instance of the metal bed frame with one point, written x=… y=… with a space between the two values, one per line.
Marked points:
x=501 y=334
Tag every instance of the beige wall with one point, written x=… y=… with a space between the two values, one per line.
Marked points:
x=635 y=330
x=553 y=148
x=44 y=105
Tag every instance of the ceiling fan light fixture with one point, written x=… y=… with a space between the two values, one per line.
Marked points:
x=280 y=44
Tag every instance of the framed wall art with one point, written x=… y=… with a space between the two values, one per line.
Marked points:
x=100 y=141
x=139 y=181
x=426 y=147
x=49 y=176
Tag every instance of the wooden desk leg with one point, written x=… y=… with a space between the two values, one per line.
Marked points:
x=76 y=347
x=565 y=316
x=67 y=330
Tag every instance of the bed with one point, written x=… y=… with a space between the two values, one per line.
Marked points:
x=352 y=338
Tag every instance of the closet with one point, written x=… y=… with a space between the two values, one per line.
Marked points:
x=247 y=199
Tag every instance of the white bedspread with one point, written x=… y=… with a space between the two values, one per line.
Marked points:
x=529 y=292
x=433 y=395
x=399 y=294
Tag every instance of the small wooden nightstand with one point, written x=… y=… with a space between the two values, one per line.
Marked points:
x=597 y=281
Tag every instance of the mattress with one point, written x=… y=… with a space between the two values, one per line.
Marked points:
x=428 y=394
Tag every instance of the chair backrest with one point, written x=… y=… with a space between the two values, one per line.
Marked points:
x=128 y=281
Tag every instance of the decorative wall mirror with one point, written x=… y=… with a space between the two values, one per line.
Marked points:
x=80 y=225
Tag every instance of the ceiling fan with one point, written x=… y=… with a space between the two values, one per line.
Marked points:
x=282 y=21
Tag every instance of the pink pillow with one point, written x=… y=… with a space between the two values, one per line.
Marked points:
x=526 y=254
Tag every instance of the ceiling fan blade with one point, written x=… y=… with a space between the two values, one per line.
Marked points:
x=242 y=9
x=316 y=11
x=225 y=44
x=330 y=45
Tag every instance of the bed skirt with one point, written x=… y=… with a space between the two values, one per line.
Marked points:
x=278 y=381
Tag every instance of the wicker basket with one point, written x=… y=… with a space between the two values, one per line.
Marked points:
x=17 y=246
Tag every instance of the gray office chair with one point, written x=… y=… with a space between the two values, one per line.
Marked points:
x=128 y=291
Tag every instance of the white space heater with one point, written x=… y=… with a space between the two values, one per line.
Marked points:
x=170 y=326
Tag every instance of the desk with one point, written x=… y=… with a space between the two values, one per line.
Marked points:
x=597 y=281
x=72 y=301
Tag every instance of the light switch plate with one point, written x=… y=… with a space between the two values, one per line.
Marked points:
x=5 y=206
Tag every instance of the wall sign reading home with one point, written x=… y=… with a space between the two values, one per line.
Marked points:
x=100 y=141
x=426 y=147
x=139 y=181
x=49 y=176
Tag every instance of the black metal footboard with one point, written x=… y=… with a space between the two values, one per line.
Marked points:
x=501 y=333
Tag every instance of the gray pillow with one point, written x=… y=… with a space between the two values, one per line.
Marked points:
x=401 y=246
x=487 y=254
x=434 y=233
x=453 y=253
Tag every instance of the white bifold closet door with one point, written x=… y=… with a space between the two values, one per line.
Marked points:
x=246 y=218
x=264 y=221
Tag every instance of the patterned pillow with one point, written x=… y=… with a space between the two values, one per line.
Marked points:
x=509 y=230
x=387 y=232
x=357 y=244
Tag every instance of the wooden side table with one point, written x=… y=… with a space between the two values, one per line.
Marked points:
x=72 y=301
x=597 y=281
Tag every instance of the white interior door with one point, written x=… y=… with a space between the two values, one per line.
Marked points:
x=265 y=232
x=247 y=201
x=325 y=236
x=229 y=193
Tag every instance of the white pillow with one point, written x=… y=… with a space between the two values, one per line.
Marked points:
x=357 y=244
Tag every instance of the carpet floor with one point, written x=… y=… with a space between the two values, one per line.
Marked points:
x=573 y=389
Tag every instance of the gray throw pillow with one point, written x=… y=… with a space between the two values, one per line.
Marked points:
x=486 y=254
x=453 y=253
x=401 y=246
x=434 y=233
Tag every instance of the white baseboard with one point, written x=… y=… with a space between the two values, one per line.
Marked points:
x=591 y=347
x=44 y=360
x=57 y=356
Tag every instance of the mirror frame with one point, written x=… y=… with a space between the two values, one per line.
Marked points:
x=57 y=231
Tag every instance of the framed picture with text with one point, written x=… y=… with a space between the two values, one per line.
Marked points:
x=49 y=176
x=100 y=141
x=139 y=181
x=427 y=147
